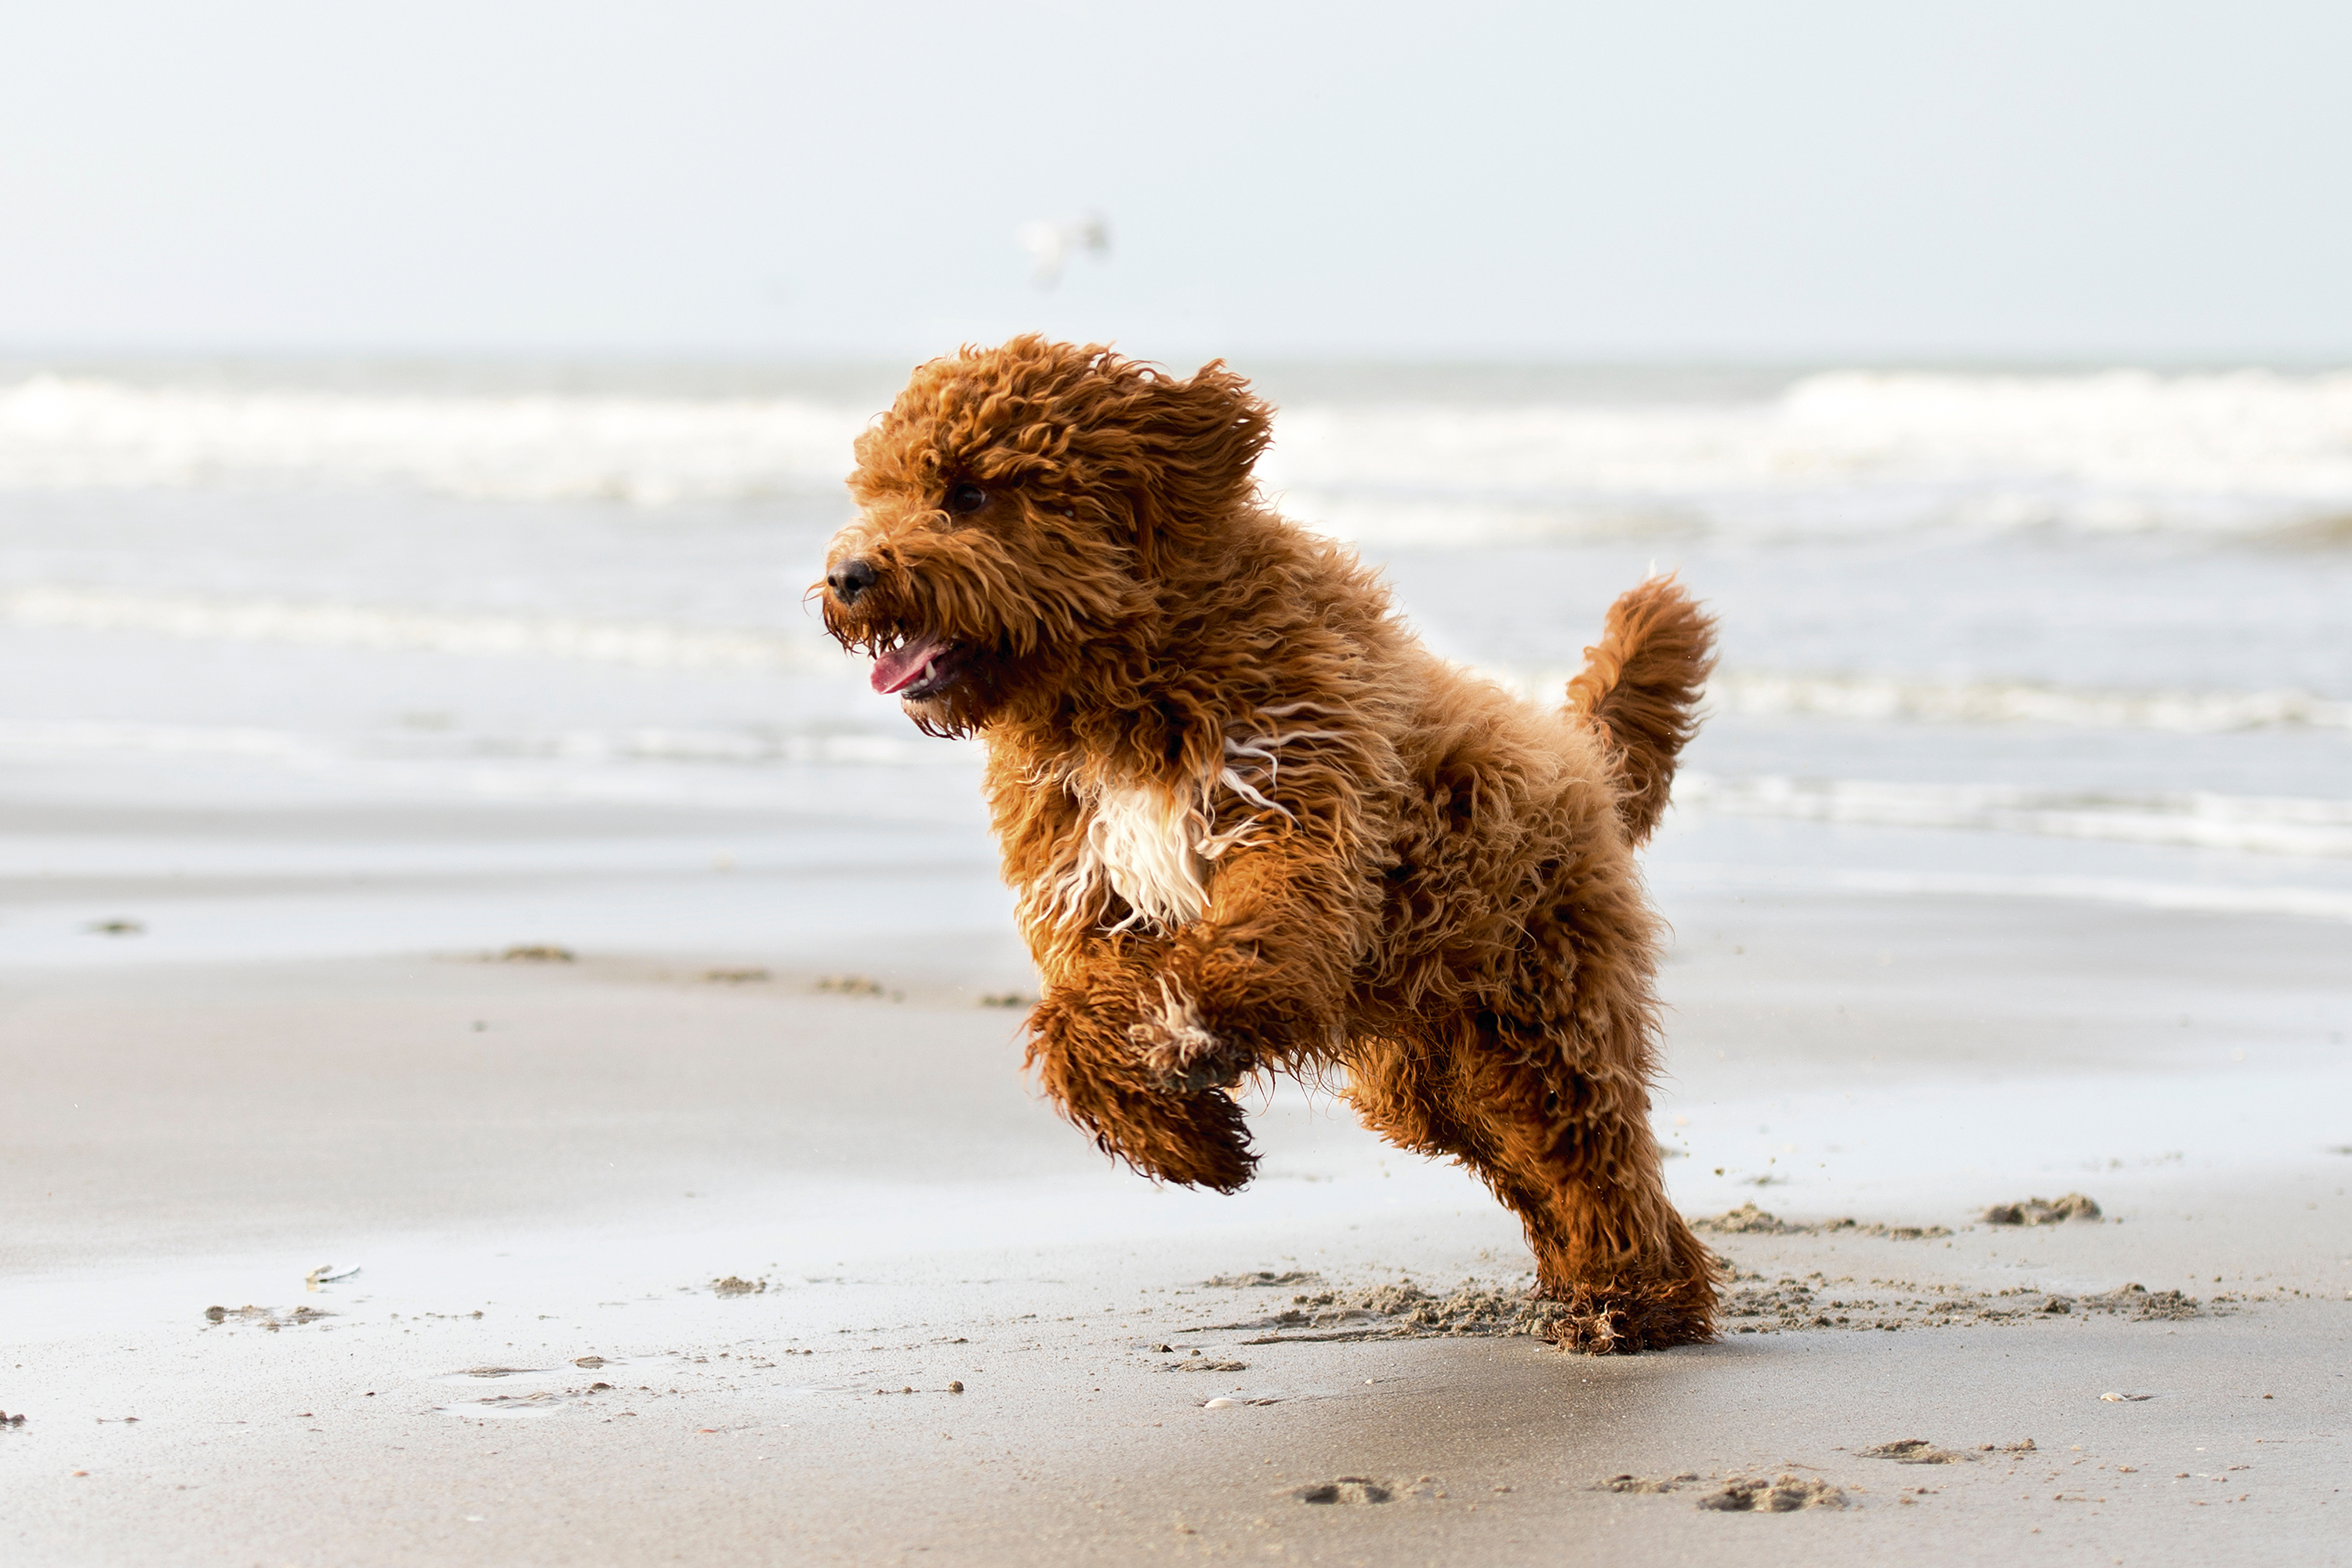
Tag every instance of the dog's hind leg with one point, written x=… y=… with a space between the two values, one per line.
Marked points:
x=1572 y=1155
x=1609 y=1246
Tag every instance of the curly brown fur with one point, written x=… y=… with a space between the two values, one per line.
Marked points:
x=1253 y=826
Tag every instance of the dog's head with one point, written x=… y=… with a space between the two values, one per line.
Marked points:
x=1019 y=505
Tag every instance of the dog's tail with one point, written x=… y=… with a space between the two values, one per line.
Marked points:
x=1640 y=689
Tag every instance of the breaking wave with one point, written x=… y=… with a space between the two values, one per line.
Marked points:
x=2018 y=702
x=317 y=753
x=1838 y=452
x=329 y=625
x=2186 y=819
x=1901 y=700
x=2191 y=898
x=78 y=432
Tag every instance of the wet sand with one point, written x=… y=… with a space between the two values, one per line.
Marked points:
x=760 y=1227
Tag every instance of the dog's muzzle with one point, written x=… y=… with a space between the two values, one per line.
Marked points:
x=850 y=579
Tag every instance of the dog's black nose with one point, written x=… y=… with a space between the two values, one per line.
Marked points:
x=850 y=579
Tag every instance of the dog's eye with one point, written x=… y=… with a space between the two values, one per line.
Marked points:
x=965 y=498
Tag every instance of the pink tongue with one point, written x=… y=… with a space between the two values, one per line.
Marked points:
x=902 y=667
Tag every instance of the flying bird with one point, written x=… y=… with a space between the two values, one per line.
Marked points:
x=1051 y=242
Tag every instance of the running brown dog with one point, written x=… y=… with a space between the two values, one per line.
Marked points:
x=1255 y=826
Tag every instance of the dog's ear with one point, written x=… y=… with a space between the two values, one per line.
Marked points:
x=1212 y=428
x=1199 y=439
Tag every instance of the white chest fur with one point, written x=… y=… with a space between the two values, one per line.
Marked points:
x=1147 y=844
x=1153 y=845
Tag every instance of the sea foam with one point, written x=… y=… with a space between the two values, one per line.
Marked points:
x=1838 y=452
x=1890 y=699
x=338 y=625
x=84 y=432
x=669 y=646
x=1846 y=451
x=2187 y=819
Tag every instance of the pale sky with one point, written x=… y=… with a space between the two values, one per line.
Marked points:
x=1710 y=179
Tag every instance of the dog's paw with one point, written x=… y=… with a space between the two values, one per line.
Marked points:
x=1177 y=1048
x=1627 y=1322
x=1591 y=1328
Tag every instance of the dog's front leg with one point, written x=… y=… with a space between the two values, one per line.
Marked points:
x=1259 y=979
x=1081 y=1047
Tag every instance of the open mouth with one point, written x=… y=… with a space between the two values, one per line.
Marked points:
x=918 y=667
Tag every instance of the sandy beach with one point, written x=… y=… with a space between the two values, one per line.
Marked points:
x=374 y=1248
x=2012 y=862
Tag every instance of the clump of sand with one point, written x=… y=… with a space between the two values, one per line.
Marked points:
x=1781 y=1494
x=1738 y=1494
x=2043 y=1210
x=1916 y=1451
x=1402 y=1310
x=1750 y=1220
x=1405 y=1311
x=854 y=985
x=1347 y=1488
x=2142 y=1304
x=1790 y=1305
x=1647 y=1485
x=268 y=1317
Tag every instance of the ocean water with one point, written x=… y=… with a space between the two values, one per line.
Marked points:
x=2077 y=635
